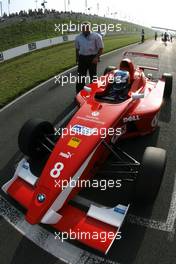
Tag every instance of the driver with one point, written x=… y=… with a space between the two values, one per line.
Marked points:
x=120 y=86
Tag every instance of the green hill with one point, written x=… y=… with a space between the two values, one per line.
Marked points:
x=18 y=31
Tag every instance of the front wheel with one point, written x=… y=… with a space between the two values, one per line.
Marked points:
x=32 y=135
x=150 y=175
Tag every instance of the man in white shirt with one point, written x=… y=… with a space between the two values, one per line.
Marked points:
x=89 y=47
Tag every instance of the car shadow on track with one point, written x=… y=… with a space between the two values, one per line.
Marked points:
x=7 y=172
x=165 y=113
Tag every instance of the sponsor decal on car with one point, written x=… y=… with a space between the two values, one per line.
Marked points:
x=131 y=118
x=74 y=142
x=25 y=165
x=155 y=120
x=96 y=113
x=82 y=130
x=119 y=210
x=67 y=155
x=57 y=170
x=91 y=119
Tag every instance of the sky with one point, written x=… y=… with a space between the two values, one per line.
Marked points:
x=149 y=13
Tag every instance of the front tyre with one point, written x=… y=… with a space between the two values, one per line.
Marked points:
x=31 y=136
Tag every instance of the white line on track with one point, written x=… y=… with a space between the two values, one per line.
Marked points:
x=149 y=223
x=64 y=251
x=172 y=214
x=168 y=226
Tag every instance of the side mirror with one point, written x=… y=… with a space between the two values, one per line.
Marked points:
x=88 y=89
x=136 y=96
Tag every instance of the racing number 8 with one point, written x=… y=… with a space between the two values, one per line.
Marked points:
x=56 y=171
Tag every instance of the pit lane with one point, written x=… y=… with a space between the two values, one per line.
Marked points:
x=148 y=236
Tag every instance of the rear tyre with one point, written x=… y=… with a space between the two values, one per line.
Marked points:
x=109 y=69
x=168 y=84
x=31 y=135
x=150 y=175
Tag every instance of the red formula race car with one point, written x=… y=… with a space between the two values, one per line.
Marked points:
x=76 y=152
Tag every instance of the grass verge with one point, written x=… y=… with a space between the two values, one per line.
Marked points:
x=23 y=73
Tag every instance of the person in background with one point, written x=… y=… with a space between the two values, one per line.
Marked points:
x=142 y=36
x=89 y=47
x=170 y=37
x=165 y=37
x=156 y=35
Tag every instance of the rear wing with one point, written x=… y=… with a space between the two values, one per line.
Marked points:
x=142 y=60
x=140 y=54
x=143 y=67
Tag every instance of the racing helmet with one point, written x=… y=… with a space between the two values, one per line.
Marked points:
x=121 y=80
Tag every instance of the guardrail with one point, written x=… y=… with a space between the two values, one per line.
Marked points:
x=23 y=49
x=26 y=48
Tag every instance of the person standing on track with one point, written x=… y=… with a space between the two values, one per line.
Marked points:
x=89 y=47
x=142 y=36
x=170 y=37
x=165 y=38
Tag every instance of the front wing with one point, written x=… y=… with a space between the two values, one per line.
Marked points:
x=97 y=228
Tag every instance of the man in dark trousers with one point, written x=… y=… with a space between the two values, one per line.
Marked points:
x=89 y=47
x=142 y=36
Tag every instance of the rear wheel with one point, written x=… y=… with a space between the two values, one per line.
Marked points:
x=32 y=135
x=150 y=175
x=109 y=69
x=168 y=84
